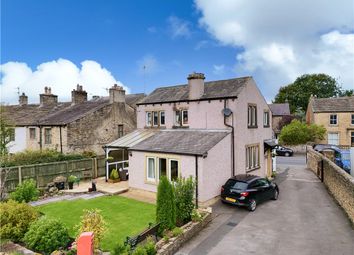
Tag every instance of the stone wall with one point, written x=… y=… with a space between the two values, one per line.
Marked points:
x=100 y=127
x=189 y=230
x=298 y=149
x=339 y=183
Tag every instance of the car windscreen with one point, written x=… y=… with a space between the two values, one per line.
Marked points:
x=238 y=185
x=345 y=156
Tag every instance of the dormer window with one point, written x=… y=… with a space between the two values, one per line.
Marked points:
x=148 y=119
x=155 y=116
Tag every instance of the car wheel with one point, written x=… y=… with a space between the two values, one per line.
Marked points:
x=252 y=205
x=275 y=195
x=287 y=154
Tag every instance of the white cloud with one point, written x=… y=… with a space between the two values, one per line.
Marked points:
x=152 y=29
x=148 y=65
x=219 y=70
x=61 y=75
x=284 y=39
x=178 y=27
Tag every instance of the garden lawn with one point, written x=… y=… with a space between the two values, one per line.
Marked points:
x=124 y=217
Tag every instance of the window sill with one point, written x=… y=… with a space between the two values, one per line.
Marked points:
x=267 y=126
x=155 y=127
x=252 y=126
x=150 y=182
x=253 y=169
x=182 y=127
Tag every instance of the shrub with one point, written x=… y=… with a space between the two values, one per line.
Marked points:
x=139 y=250
x=120 y=249
x=26 y=191
x=176 y=231
x=15 y=219
x=196 y=216
x=29 y=157
x=184 y=193
x=92 y=221
x=150 y=246
x=300 y=133
x=114 y=175
x=165 y=205
x=47 y=235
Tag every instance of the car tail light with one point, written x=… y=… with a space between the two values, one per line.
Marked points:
x=222 y=189
x=244 y=194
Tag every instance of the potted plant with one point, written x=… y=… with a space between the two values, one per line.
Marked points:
x=114 y=176
x=71 y=180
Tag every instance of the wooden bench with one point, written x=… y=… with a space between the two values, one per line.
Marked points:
x=150 y=231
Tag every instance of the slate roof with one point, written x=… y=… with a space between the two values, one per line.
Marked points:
x=336 y=104
x=186 y=142
x=29 y=114
x=60 y=114
x=279 y=109
x=212 y=89
x=132 y=138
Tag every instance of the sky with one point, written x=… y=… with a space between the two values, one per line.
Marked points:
x=60 y=43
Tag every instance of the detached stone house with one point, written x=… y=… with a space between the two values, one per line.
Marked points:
x=279 y=113
x=336 y=115
x=208 y=130
x=76 y=126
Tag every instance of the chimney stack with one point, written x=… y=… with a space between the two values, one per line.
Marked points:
x=23 y=99
x=196 y=85
x=78 y=96
x=48 y=98
x=116 y=94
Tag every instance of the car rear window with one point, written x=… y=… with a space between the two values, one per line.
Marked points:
x=238 y=185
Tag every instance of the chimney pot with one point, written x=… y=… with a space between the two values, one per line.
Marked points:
x=196 y=85
x=116 y=94
x=23 y=99
x=79 y=95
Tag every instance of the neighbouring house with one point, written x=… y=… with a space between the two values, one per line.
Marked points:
x=76 y=126
x=336 y=115
x=207 y=130
x=280 y=117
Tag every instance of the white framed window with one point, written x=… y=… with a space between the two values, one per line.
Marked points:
x=252 y=157
x=184 y=117
x=173 y=170
x=333 y=119
x=333 y=138
x=155 y=118
x=266 y=118
x=148 y=119
x=151 y=169
x=181 y=117
x=162 y=167
x=252 y=116
x=162 y=118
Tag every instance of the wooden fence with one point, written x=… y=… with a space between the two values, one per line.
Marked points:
x=46 y=172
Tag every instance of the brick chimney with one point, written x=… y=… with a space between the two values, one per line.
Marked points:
x=116 y=94
x=196 y=85
x=78 y=96
x=48 y=98
x=23 y=99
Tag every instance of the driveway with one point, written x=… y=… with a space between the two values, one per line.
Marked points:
x=304 y=220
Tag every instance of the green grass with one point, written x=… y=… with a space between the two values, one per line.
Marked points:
x=124 y=217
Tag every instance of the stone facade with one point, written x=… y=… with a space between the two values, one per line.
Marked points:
x=339 y=183
x=344 y=128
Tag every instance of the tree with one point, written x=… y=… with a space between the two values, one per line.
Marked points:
x=165 y=205
x=297 y=94
x=299 y=133
x=6 y=133
x=184 y=194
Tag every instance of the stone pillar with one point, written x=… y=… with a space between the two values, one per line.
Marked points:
x=85 y=244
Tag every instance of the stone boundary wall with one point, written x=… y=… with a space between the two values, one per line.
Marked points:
x=298 y=149
x=338 y=182
x=189 y=230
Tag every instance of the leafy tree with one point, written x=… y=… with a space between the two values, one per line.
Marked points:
x=6 y=133
x=299 y=133
x=297 y=94
x=165 y=205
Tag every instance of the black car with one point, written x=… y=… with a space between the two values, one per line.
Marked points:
x=248 y=190
x=282 y=151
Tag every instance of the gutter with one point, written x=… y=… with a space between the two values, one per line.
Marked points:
x=188 y=100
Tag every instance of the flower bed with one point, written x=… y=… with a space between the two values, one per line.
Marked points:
x=189 y=230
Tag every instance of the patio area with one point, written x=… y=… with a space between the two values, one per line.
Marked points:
x=101 y=185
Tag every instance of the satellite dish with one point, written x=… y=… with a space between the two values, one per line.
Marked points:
x=227 y=112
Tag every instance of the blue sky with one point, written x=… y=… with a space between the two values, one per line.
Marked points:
x=171 y=38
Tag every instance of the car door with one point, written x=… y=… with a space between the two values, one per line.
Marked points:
x=267 y=189
x=257 y=190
